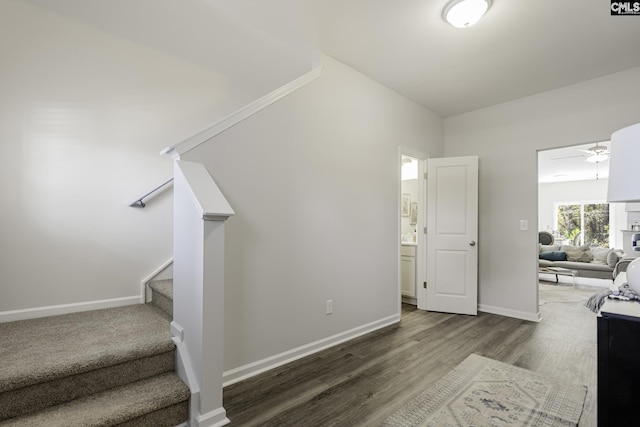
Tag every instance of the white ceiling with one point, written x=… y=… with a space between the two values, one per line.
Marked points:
x=519 y=48
x=569 y=164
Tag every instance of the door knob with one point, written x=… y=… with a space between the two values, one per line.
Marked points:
x=472 y=243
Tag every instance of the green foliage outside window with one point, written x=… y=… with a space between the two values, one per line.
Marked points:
x=591 y=219
x=596 y=224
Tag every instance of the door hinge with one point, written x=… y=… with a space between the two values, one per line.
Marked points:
x=424 y=285
x=426 y=175
x=425 y=230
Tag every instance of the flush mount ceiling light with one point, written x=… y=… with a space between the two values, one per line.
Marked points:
x=465 y=13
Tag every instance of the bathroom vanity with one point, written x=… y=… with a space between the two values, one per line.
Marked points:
x=408 y=252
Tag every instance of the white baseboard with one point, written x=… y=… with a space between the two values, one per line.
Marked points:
x=157 y=273
x=409 y=300
x=216 y=418
x=531 y=317
x=54 y=310
x=243 y=372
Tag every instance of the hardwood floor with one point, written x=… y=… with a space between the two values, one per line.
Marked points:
x=362 y=382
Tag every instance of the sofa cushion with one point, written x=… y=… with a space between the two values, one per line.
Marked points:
x=553 y=256
x=584 y=266
x=578 y=253
x=543 y=263
x=600 y=254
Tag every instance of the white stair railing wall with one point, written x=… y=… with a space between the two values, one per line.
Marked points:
x=199 y=215
x=200 y=212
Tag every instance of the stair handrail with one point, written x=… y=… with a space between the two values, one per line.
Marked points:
x=139 y=203
x=191 y=142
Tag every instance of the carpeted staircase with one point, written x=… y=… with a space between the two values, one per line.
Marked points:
x=97 y=368
x=162 y=296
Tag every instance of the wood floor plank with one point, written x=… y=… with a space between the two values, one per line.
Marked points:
x=363 y=381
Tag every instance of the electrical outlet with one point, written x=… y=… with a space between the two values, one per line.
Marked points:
x=524 y=224
x=329 y=306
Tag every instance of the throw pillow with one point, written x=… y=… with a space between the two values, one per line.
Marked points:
x=578 y=253
x=600 y=254
x=547 y=248
x=553 y=256
x=613 y=257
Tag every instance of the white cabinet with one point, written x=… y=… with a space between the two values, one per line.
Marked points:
x=408 y=270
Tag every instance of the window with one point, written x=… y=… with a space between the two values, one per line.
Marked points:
x=588 y=221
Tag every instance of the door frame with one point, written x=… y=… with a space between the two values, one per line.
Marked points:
x=421 y=260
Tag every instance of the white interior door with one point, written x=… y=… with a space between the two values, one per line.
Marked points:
x=452 y=235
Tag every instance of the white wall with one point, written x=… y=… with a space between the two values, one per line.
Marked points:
x=83 y=116
x=314 y=182
x=506 y=138
x=552 y=194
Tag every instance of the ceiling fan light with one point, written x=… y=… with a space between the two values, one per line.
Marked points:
x=465 y=13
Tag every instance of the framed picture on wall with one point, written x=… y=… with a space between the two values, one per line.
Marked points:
x=414 y=213
x=405 y=204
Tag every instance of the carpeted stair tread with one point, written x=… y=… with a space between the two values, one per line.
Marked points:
x=133 y=404
x=163 y=287
x=36 y=397
x=38 y=350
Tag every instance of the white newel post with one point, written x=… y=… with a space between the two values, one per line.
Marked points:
x=200 y=212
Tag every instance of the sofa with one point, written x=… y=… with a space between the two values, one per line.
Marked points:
x=587 y=260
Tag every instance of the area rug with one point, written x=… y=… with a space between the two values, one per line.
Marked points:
x=564 y=293
x=485 y=392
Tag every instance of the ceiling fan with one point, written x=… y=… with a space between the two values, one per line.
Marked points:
x=598 y=153
x=595 y=154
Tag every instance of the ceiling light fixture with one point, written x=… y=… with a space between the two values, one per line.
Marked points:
x=597 y=154
x=465 y=13
x=596 y=158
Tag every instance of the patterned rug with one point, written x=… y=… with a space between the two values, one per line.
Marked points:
x=485 y=392
x=552 y=293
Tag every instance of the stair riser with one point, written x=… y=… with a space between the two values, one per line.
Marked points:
x=162 y=400
x=39 y=396
x=163 y=303
x=167 y=417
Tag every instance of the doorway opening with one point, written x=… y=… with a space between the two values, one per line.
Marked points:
x=573 y=210
x=412 y=262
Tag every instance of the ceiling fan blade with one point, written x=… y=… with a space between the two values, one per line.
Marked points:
x=568 y=157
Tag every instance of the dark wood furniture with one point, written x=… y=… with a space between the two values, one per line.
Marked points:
x=618 y=367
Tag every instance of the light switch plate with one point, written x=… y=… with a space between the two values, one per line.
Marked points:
x=524 y=224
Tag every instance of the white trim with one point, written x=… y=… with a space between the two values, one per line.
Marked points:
x=531 y=317
x=54 y=310
x=187 y=144
x=145 y=292
x=158 y=270
x=243 y=372
x=215 y=418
